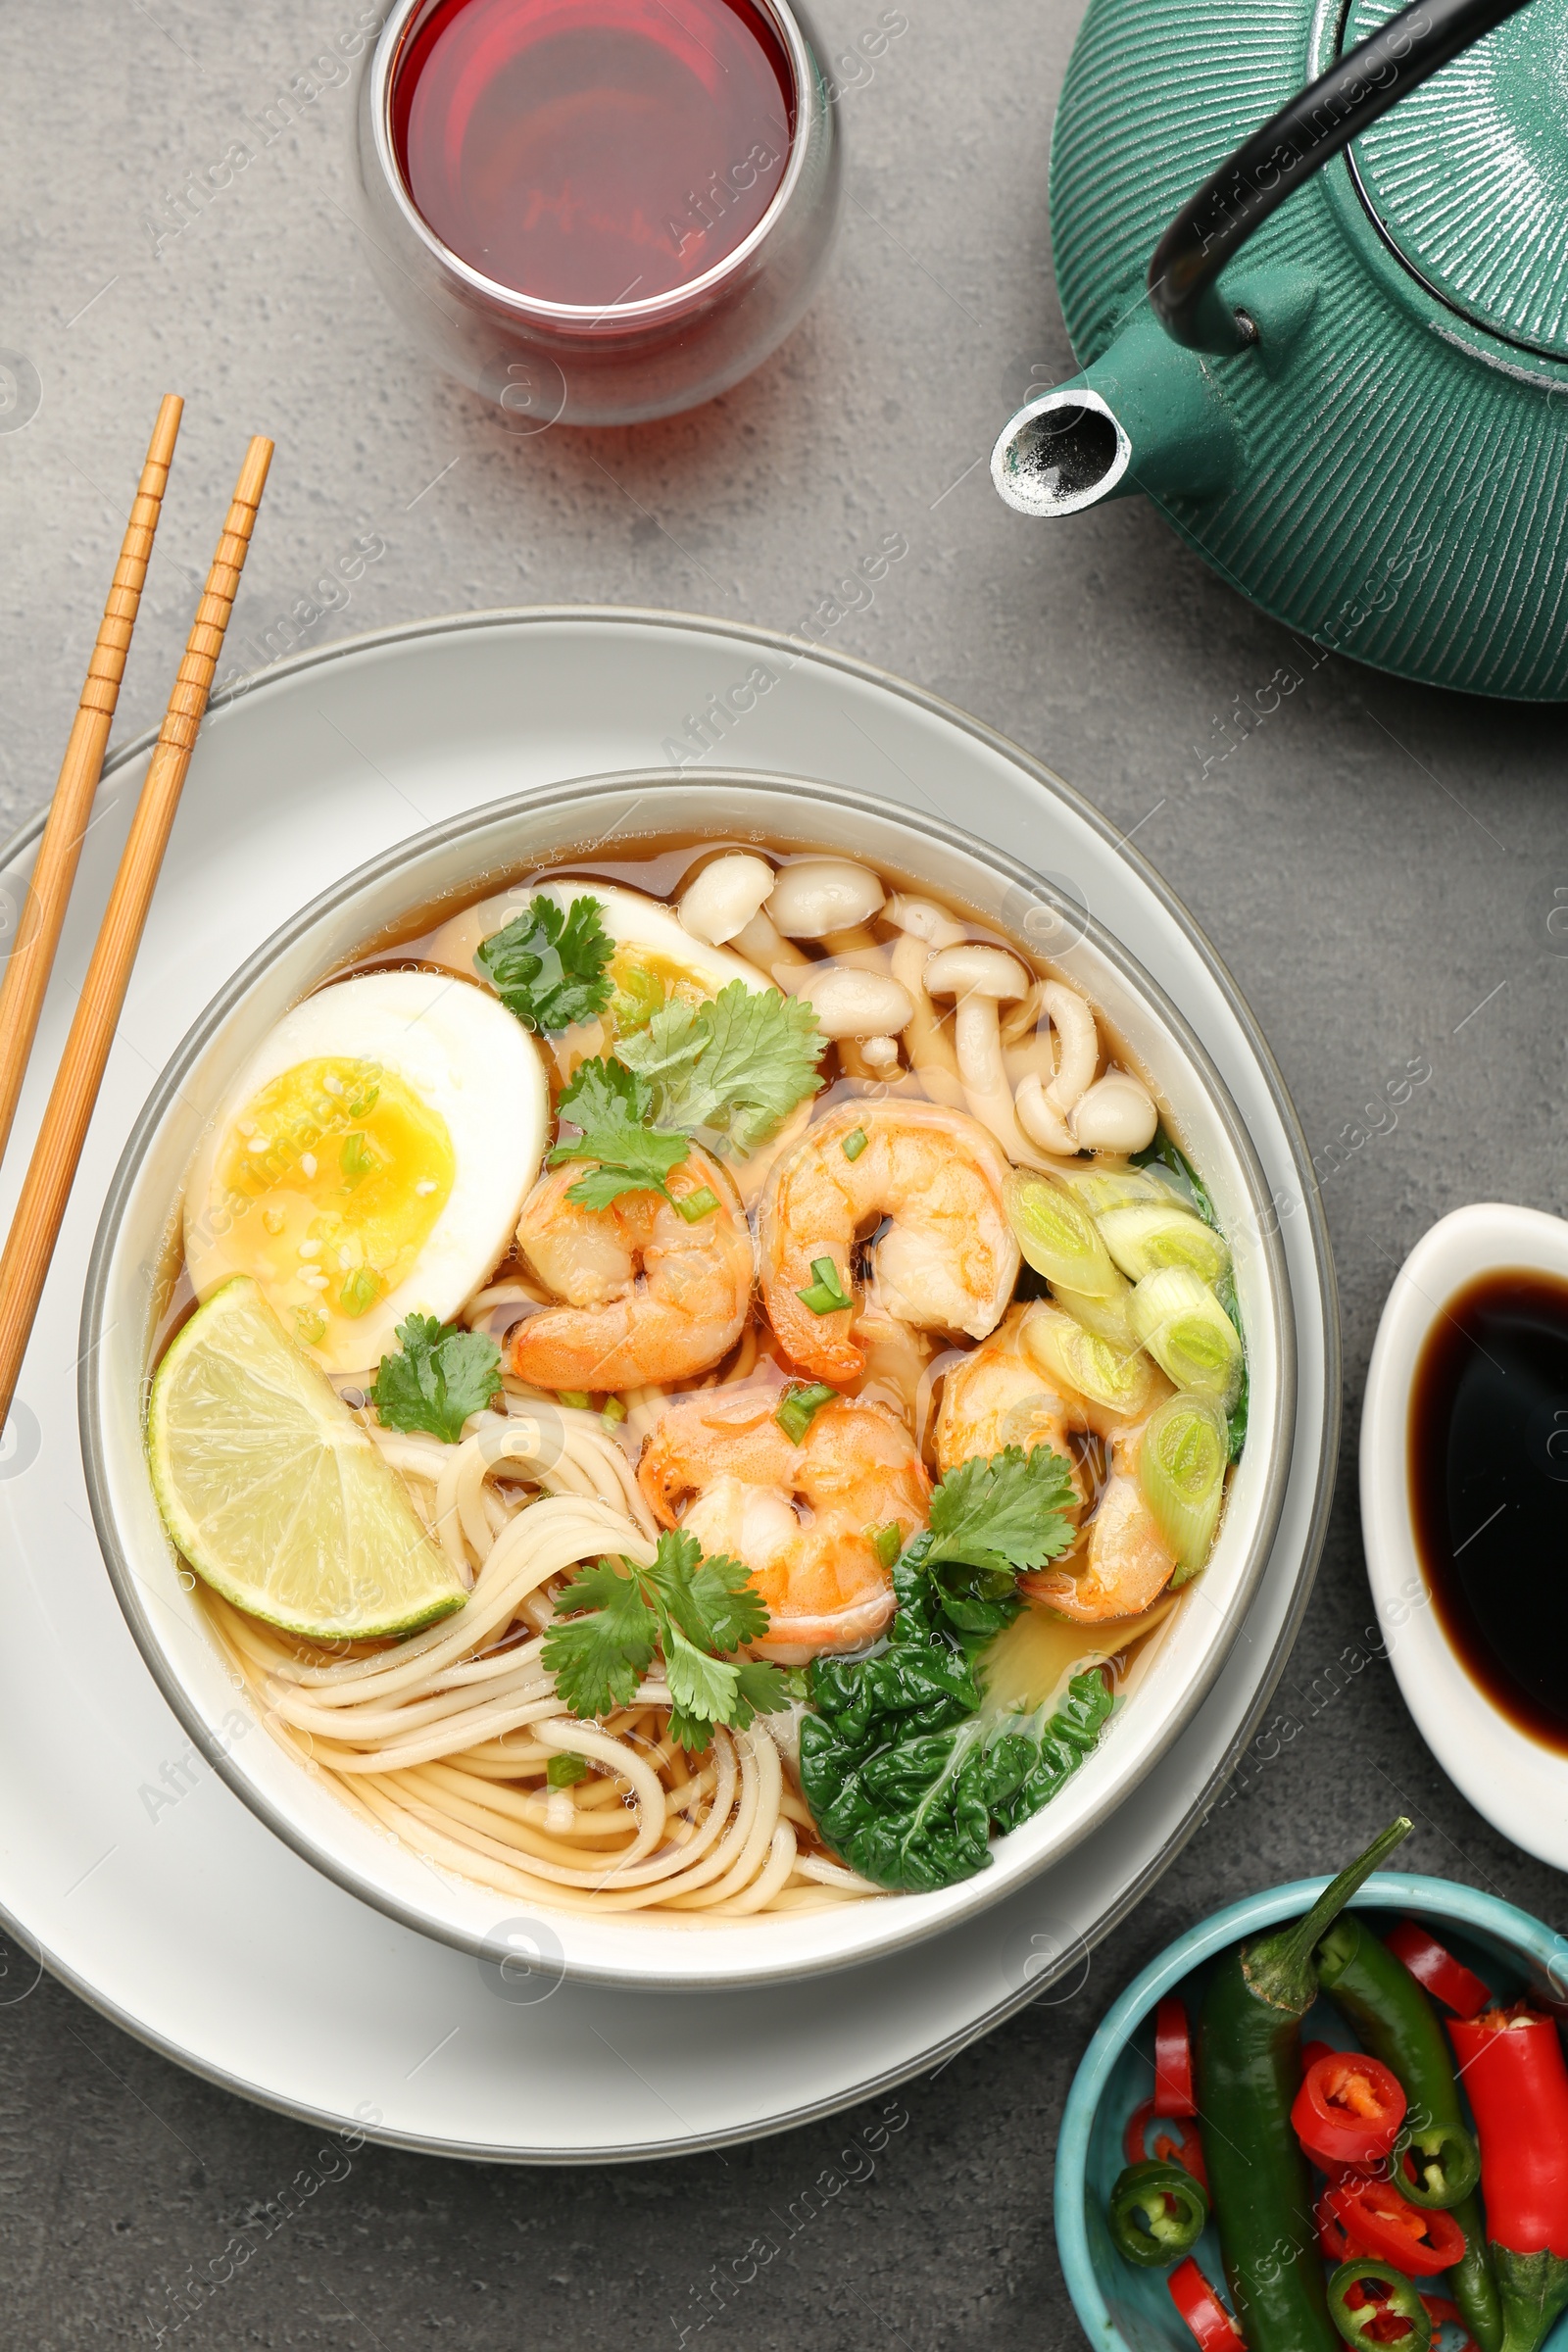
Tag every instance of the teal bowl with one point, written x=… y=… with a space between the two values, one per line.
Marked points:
x=1122 y=2309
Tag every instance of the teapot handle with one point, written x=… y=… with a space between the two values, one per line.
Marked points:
x=1284 y=152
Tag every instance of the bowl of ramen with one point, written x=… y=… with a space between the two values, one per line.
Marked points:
x=687 y=1382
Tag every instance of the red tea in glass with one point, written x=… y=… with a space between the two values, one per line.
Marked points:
x=593 y=153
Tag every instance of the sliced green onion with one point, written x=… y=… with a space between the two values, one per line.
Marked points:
x=579 y=1397
x=562 y=1772
x=887 y=1541
x=1188 y=1333
x=1071 y=1357
x=1100 y=1187
x=1107 y=1318
x=612 y=1410
x=798 y=1406
x=361 y=1291
x=855 y=1143
x=356 y=1159
x=694 y=1206
x=1143 y=1237
x=1182 y=1461
x=1057 y=1237
x=826 y=1294
x=311 y=1326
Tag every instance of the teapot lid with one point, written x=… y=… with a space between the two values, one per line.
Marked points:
x=1467 y=177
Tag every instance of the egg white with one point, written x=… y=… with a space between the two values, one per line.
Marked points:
x=459 y=1049
x=629 y=917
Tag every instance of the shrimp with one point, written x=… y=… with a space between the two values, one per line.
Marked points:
x=944 y=1259
x=1124 y=1566
x=648 y=1298
x=802 y=1517
x=997 y=1396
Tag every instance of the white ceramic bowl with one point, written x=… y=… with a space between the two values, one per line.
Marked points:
x=135 y=1245
x=1520 y=1785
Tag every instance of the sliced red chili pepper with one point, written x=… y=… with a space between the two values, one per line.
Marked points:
x=1348 y=2109
x=1173 y=2143
x=1511 y=2066
x=1332 y=2236
x=1173 y=2059
x=1446 y=1979
x=1205 y=2315
x=1379 y=2221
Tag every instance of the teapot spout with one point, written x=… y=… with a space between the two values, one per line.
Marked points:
x=1148 y=415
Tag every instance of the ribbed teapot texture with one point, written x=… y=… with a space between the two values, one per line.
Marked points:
x=1385 y=468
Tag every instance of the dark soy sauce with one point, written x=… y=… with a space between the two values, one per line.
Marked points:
x=1488 y=1490
x=593 y=151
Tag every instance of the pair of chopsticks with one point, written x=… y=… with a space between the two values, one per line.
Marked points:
x=46 y=1188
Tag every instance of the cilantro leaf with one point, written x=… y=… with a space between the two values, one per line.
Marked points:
x=440 y=1375
x=731 y=1069
x=548 y=967
x=609 y=1103
x=1006 y=1513
x=713 y=1601
x=695 y=1611
x=598 y=1659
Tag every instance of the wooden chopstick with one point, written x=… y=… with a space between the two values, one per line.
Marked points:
x=46 y=1188
x=32 y=953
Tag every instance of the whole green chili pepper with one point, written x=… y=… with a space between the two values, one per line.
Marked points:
x=1395 y=2020
x=1248 y=2071
x=1399 y=2300
x=1156 y=2213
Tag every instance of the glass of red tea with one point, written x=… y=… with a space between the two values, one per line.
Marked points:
x=598 y=211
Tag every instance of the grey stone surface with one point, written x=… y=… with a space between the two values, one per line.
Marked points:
x=1377 y=864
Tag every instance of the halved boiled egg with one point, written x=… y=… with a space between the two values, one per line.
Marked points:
x=370 y=1160
x=655 y=957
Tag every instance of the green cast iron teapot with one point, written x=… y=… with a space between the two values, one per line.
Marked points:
x=1365 y=427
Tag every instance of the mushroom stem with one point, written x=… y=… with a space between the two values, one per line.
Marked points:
x=1040 y=1118
x=926 y=1044
x=1075 y=1026
x=986 y=1091
x=763 y=944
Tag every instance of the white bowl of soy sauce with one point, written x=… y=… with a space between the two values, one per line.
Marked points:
x=1464 y=1508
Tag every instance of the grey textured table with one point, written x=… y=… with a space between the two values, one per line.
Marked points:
x=1375 y=864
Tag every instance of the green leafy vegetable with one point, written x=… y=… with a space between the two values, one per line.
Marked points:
x=563 y=1772
x=730 y=1071
x=696 y=1611
x=798 y=1406
x=440 y=1375
x=610 y=1104
x=548 y=967
x=903 y=1766
x=826 y=1295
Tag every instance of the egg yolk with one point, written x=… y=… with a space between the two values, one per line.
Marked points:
x=644 y=981
x=328 y=1187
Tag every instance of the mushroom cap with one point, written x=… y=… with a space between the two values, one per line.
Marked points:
x=1116 y=1114
x=819 y=894
x=975 y=970
x=851 y=1003
x=724 y=896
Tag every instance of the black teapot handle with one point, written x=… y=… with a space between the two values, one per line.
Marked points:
x=1281 y=156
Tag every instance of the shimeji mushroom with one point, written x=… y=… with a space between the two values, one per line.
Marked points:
x=868 y=1006
x=1116 y=1113
x=980 y=978
x=817 y=896
x=1045 y=1109
x=724 y=896
x=930 y=1049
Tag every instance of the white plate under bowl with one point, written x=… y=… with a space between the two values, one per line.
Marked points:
x=623 y=815
x=134 y=1871
x=1517 y=1783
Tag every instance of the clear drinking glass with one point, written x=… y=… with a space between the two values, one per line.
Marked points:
x=548 y=362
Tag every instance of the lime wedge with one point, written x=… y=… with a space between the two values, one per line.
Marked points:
x=274 y=1492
